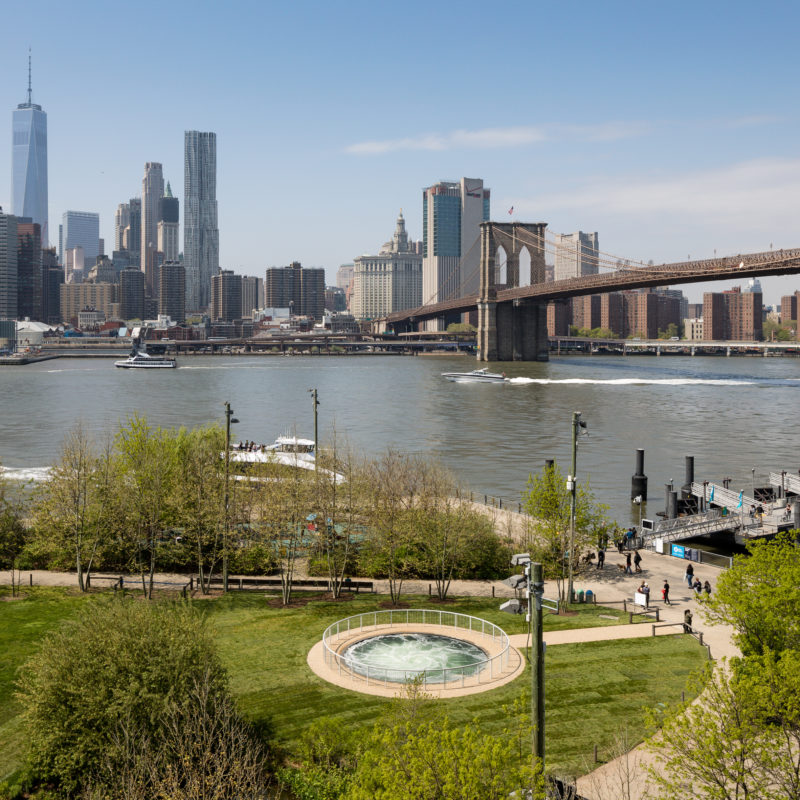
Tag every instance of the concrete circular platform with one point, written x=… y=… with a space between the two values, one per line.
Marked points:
x=492 y=676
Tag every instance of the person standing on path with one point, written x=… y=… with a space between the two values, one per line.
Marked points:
x=687 y=621
x=665 y=594
x=689 y=575
x=601 y=558
x=628 y=570
x=637 y=560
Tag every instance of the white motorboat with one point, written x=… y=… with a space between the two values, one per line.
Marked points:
x=290 y=451
x=139 y=358
x=476 y=376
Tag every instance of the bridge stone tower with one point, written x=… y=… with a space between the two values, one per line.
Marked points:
x=512 y=330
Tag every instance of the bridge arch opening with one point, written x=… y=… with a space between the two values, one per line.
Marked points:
x=525 y=267
x=501 y=266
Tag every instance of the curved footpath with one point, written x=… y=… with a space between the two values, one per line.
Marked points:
x=609 y=585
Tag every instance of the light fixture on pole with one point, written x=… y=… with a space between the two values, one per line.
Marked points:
x=572 y=486
x=229 y=420
x=315 y=403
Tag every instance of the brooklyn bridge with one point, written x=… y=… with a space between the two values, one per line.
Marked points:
x=512 y=297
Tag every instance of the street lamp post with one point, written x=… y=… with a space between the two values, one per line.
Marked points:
x=315 y=403
x=754 y=482
x=229 y=420
x=572 y=484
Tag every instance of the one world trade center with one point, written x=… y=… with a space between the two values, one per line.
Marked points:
x=29 y=163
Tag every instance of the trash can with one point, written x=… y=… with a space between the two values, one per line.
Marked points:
x=580 y=596
x=589 y=596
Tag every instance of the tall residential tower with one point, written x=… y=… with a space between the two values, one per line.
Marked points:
x=29 y=162
x=200 y=232
x=152 y=192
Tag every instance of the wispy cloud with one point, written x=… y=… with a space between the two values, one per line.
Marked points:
x=762 y=189
x=495 y=138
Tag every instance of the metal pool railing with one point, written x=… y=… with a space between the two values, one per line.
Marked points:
x=478 y=672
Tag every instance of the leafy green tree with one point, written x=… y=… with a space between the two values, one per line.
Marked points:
x=461 y=327
x=13 y=534
x=414 y=751
x=390 y=549
x=121 y=666
x=742 y=740
x=73 y=511
x=148 y=468
x=198 y=496
x=759 y=596
x=547 y=503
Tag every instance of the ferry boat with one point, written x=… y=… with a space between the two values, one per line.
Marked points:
x=139 y=358
x=476 y=376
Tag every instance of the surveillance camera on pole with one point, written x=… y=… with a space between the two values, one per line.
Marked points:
x=512 y=607
x=520 y=559
x=516 y=581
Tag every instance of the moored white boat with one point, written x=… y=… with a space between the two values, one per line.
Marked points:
x=476 y=376
x=289 y=451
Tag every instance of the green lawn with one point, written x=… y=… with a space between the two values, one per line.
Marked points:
x=593 y=690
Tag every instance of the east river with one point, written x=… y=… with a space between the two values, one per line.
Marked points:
x=732 y=414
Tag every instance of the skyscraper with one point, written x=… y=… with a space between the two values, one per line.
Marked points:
x=29 y=162
x=451 y=218
x=122 y=219
x=172 y=291
x=390 y=281
x=301 y=290
x=226 y=296
x=168 y=220
x=200 y=232
x=81 y=229
x=576 y=255
x=8 y=266
x=29 y=269
x=152 y=192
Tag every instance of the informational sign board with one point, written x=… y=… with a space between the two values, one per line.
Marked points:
x=640 y=599
x=678 y=551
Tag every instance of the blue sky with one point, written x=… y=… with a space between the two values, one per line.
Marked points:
x=669 y=128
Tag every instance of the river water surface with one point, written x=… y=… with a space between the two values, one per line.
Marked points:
x=732 y=414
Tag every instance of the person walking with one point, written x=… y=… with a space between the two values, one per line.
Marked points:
x=628 y=570
x=697 y=586
x=689 y=574
x=687 y=621
x=637 y=560
x=601 y=558
x=646 y=592
x=665 y=594
x=620 y=544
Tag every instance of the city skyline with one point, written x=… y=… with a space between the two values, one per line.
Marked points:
x=681 y=155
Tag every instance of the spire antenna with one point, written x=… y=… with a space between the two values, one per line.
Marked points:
x=29 y=76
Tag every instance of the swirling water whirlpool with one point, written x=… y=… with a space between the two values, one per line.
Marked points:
x=398 y=657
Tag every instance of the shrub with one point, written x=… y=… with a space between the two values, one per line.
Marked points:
x=122 y=665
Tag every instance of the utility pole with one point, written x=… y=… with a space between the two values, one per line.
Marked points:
x=535 y=593
x=572 y=483
x=315 y=403
x=228 y=420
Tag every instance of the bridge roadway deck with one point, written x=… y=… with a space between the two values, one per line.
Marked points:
x=751 y=265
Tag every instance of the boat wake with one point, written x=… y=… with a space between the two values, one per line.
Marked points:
x=25 y=474
x=635 y=381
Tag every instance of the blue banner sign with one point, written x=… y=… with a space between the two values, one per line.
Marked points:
x=678 y=551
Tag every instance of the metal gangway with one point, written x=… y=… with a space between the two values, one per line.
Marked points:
x=785 y=480
x=720 y=496
x=713 y=521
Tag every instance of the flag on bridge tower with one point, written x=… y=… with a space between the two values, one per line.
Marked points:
x=511 y=210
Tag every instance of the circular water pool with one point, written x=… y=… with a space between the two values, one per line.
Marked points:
x=399 y=657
